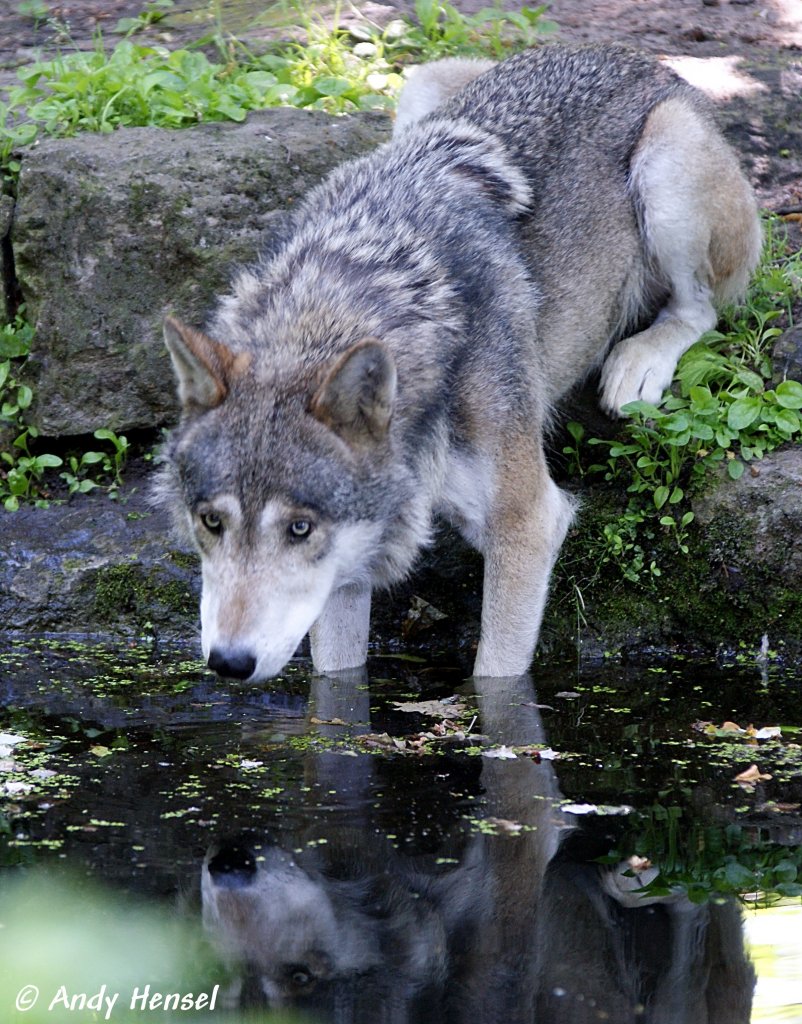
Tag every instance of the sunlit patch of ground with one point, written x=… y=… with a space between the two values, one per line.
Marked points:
x=722 y=78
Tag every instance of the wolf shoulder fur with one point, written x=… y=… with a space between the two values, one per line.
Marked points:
x=398 y=356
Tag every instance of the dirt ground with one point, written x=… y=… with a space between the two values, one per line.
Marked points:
x=746 y=53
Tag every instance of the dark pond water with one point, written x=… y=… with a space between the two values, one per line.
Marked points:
x=398 y=845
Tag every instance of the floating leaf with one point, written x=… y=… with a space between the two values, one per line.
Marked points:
x=750 y=778
x=502 y=752
x=433 y=708
x=769 y=732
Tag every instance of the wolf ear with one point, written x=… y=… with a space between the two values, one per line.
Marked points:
x=203 y=367
x=357 y=395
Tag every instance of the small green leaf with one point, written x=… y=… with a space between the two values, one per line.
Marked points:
x=787 y=422
x=90 y=458
x=700 y=396
x=723 y=438
x=739 y=876
x=751 y=379
x=660 y=497
x=330 y=86
x=735 y=468
x=789 y=394
x=639 y=408
x=742 y=413
x=677 y=422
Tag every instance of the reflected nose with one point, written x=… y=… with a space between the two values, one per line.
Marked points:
x=233 y=866
x=232 y=664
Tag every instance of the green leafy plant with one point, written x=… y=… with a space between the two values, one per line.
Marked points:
x=114 y=464
x=23 y=469
x=77 y=477
x=334 y=70
x=88 y=470
x=13 y=136
x=440 y=30
x=721 y=412
x=26 y=470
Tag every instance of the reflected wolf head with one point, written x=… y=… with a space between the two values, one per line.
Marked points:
x=306 y=936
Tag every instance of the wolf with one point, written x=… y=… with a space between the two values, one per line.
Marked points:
x=394 y=355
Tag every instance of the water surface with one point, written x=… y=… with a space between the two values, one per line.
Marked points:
x=401 y=844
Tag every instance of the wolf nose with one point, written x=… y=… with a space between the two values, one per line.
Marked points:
x=232 y=664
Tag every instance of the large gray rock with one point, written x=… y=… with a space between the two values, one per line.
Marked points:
x=6 y=261
x=95 y=565
x=752 y=534
x=112 y=232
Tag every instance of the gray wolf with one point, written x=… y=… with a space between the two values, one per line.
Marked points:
x=395 y=354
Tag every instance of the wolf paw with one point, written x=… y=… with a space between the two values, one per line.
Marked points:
x=634 y=372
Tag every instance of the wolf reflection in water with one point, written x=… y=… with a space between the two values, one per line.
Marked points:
x=502 y=929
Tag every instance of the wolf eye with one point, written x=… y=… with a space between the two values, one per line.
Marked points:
x=212 y=522
x=299 y=529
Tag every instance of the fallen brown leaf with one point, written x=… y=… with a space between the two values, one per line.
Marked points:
x=749 y=779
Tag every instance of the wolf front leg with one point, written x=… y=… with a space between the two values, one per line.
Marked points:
x=527 y=525
x=339 y=638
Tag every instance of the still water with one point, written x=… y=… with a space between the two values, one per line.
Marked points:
x=398 y=845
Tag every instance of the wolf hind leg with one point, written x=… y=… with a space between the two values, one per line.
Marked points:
x=522 y=538
x=339 y=638
x=702 y=238
x=434 y=84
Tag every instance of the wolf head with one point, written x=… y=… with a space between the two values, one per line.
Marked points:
x=274 y=479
